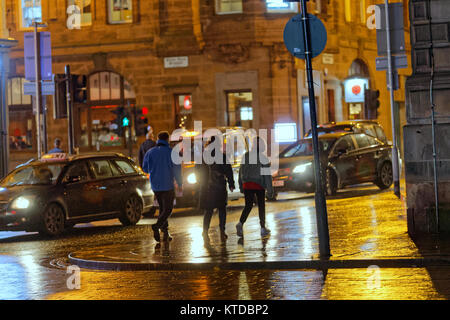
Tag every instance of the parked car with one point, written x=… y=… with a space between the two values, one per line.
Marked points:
x=59 y=191
x=369 y=127
x=347 y=158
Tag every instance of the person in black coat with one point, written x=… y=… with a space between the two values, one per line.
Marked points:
x=146 y=145
x=213 y=192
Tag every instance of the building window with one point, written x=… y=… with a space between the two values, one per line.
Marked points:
x=280 y=6
x=84 y=9
x=228 y=6
x=106 y=86
x=120 y=11
x=183 y=110
x=21 y=119
x=30 y=10
x=240 y=109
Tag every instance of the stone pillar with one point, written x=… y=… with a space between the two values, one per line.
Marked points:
x=426 y=16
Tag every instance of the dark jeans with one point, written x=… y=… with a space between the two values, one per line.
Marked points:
x=165 y=201
x=249 y=200
x=208 y=215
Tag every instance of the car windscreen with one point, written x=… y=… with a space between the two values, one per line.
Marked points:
x=331 y=129
x=35 y=174
x=305 y=148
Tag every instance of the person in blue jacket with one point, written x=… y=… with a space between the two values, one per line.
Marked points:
x=163 y=171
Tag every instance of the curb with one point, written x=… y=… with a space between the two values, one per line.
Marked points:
x=263 y=265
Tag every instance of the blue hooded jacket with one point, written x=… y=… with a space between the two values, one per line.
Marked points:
x=158 y=163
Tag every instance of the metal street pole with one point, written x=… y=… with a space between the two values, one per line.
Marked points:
x=321 y=204
x=38 y=97
x=69 y=106
x=395 y=162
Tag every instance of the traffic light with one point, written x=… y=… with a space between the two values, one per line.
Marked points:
x=141 y=121
x=122 y=120
x=371 y=103
x=59 y=98
x=79 y=84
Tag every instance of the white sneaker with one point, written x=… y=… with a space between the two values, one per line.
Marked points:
x=265 y=232
x=239 y=230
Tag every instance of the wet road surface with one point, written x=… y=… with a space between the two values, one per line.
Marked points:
x=364 y=223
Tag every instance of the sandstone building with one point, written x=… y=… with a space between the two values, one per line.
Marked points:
x=219 y=61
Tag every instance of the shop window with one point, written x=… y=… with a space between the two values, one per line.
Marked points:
x=30 y=10
x=228 y=6
x=183 y=110
x=105 y=129
x=101 y=122
x=84 y=9
x=21 y=118
x=120 y=11
x=281 y=6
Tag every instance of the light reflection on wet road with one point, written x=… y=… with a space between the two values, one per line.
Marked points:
x=363 y=223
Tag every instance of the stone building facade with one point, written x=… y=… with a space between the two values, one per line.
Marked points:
x=219 y=61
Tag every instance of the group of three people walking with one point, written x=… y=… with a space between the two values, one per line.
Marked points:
x=254 y=181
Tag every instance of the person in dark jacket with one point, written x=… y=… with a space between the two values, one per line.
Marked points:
x=163 y=171
x=254 y=180
x=213 y=192
x=146 y=145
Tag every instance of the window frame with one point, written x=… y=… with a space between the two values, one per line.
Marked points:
x=109 y=12
x=20 y=16
x=293 y=7
x=81 y=12
x=218 y=12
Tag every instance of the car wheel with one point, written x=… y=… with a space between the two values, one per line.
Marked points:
x=331 y=183
x=273 y=197
x=52 y=223
x=132 y=211
x=385 y=178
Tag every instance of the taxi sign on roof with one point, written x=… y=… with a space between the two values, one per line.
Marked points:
x=54 y=157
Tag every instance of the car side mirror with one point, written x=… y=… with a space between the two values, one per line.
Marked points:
x=73 y=179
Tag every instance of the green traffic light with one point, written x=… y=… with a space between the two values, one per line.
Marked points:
x=125 y=122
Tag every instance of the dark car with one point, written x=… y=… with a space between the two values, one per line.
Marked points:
x=346 y=158
x=59 y=191
x=369 y=127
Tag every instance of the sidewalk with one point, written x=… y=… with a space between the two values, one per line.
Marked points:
x=367 y=227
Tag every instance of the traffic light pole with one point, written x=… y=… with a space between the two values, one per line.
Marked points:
x=395 y=161
x=69 y=105
x=130 y=138
x=38 y=96
x=321 y=204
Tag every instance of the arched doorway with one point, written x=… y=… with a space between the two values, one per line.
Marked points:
x=99 y=123
x=355 y=84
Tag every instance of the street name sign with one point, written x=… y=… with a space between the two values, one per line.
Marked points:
x=48 y=88
x=398 y=62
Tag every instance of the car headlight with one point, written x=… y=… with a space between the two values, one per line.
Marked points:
x=192 y=179
x=301 y=168
x=21 y=203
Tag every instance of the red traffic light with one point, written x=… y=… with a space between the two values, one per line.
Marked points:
x=144 y=111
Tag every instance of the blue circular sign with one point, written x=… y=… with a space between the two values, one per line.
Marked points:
x=294 y=39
